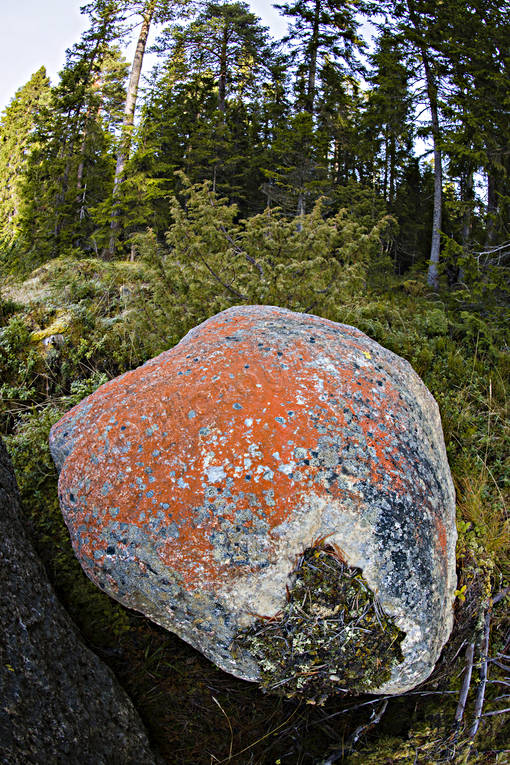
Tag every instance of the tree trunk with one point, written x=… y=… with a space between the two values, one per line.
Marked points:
x=467 y=198
x=491 y=208
x=301 y=209
x=128 y=122
x=385 y=179
x=314 y=49
x=433 y=274
x=432 y=94
x=222 y=84
x=392 y=169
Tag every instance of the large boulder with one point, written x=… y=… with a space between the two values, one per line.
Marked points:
x=201 y=487
x=59 y=703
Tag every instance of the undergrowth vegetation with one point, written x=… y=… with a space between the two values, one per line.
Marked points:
x=74 y=323
x=332 y=637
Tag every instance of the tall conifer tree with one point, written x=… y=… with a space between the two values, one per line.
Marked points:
x=320 y=29
x=16 y=133
x=148 y=11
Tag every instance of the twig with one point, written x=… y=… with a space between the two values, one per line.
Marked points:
x=223 y=284
x=240 y=251
x=461 y=706
x=449 y=753
x=480 y=696
x=262 y=738
x=500 y=595
x=229 y=725
x=496 y=712
x=355 y=707
x=375 y=718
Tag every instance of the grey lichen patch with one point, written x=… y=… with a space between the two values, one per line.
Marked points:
x=332 y=636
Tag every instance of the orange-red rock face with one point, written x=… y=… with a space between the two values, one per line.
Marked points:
x=191 y=484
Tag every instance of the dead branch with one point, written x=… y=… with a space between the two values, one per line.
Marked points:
x=496 y=712
x=480 y=695
x=500 y=596
x=466 y=683
x=375 y=718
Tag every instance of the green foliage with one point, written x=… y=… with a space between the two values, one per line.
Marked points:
x=69 y=169
x=310 y=263
x=16 y=364
x=16 y=127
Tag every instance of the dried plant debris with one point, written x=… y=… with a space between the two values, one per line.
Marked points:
x=332 y=636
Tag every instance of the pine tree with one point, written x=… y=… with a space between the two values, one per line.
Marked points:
x=389 y=116
x=69 y=169
x=148 y=11
x=319 y=29
x=16 y=131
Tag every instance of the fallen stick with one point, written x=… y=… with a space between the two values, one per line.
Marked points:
x=375 y=718
x=466 y=683
x=480 y=696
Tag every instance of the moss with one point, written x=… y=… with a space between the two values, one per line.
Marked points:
x=332 y=636
x=58 y=326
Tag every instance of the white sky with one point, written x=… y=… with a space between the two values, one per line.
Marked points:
x=35 y=33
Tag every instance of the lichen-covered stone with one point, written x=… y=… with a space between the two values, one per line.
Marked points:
x=192 y=485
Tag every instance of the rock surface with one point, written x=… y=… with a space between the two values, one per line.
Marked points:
x=59 y=703
x=193 y=484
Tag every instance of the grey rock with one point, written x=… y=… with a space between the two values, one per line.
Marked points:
x=59 y=703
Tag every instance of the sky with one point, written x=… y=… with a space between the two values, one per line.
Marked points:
x=35 y=33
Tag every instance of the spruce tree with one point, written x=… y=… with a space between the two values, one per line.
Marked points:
x=319 y=30
x=478 y=130
x=16 y=133
x=208 y=105
x=389 y=115
x=147 y=11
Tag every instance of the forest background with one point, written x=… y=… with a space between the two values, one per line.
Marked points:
x=358 y=170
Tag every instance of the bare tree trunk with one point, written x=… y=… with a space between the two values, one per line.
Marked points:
x=433 y=274
x=491 y=207
x=314 y=48
x=392 y=169
x=467 y=195
x=385 y=180
x=222 y=84
x=301 y=209
x=128 y=121
x=432 y=94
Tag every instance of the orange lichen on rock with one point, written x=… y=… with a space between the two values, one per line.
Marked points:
x=190 y=484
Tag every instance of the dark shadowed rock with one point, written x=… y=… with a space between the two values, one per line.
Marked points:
x=59 y=703
x=193 y=486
